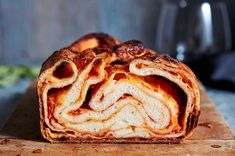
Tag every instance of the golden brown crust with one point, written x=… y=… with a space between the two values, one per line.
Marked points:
x=94 y=40
x=115 y=55
x=55 y=57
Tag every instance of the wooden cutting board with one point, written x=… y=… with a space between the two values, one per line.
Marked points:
x=21 y=135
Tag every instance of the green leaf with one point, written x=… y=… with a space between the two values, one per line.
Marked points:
x=8 y=80
x=10 y=74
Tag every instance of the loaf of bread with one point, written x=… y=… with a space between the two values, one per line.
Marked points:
x=101 y=90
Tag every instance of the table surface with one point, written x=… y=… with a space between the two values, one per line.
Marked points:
x=224 y=101
x=213 y=136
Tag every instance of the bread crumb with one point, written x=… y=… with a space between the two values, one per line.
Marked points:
x=215 y=146
x=208 y=125
x=37 y=151
x=5 y=141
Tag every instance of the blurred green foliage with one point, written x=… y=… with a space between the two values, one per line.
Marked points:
x=9 y=75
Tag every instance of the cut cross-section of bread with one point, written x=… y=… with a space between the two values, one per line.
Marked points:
x=101 y=90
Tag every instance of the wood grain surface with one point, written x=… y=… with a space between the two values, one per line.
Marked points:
x=21 y=135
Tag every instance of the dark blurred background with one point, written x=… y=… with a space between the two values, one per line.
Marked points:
x=198 y=32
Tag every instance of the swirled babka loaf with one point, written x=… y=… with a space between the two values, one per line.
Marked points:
x=101 y=90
